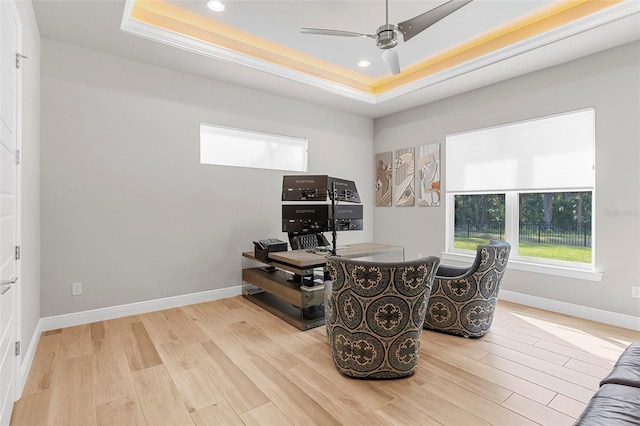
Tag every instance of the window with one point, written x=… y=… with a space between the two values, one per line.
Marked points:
x=556 y=226
x=553 y=225
x=226 y=146
x=530 y=183
x=478 y=218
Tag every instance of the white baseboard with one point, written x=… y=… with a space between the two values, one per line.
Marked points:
x=27 y=359
x=593 y=314
x=103 y=314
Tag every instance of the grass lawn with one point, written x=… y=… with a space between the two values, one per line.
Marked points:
x=545 y=251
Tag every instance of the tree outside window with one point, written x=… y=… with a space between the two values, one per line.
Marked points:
x=551 y=225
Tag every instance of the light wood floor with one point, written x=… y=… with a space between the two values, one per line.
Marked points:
x=229 y=362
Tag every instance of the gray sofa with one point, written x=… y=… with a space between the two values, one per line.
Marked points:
x=617 y=401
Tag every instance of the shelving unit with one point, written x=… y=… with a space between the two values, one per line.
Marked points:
x=279 y=292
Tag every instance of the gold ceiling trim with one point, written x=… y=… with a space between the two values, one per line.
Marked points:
x=190 y=24
x=549 y=18
x=180 y=21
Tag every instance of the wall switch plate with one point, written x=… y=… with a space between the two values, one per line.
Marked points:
x=76 y=289
x=635 y=291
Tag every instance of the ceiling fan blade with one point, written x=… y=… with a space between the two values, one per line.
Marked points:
x=414 y=26
x=390 y=57
x=339 y=33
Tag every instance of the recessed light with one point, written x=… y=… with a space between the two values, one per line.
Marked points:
x=364 y=64
x=215 y=5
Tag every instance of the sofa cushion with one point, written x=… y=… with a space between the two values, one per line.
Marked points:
x=612 y=405
x=627 y=368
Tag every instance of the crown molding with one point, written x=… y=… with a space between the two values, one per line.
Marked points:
x=571 y=29
x=170 y=38
x=547 y=38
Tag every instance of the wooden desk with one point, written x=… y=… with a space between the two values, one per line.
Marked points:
x=306 y=259
x=277 y=284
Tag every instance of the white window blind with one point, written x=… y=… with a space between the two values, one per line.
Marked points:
x=553 y=152
x=227 y=146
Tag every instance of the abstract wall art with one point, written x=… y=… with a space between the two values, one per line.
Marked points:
x=428 y=190
x=384 y=173
x=404 y=191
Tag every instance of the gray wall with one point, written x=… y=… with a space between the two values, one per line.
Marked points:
x=127 y=209
x=608 y=81
x=29 y=283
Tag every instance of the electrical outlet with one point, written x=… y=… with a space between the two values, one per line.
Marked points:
x=76 y=289
x=635 y=291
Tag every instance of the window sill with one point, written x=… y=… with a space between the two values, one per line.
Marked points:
x=520 y=265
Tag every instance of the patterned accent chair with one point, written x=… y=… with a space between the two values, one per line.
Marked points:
x=463 y=300
x=374 y=314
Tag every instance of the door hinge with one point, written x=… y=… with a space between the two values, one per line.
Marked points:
x=17 y=252
x=19 y=58
x=18 y=348
x=17 y=156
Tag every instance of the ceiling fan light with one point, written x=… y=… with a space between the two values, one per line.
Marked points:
x=215 y=5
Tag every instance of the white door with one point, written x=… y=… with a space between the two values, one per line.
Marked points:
x=9 y=44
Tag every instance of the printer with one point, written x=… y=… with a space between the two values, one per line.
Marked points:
x=262 y=248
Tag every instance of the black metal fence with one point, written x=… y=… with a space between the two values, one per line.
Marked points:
x=579 y=234
x=488 y=230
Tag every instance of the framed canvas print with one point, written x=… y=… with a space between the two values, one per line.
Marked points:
x=384 y=175
x=428 y=165
x=404 y=191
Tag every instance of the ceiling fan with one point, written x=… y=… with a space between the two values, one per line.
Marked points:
x=387 y=35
